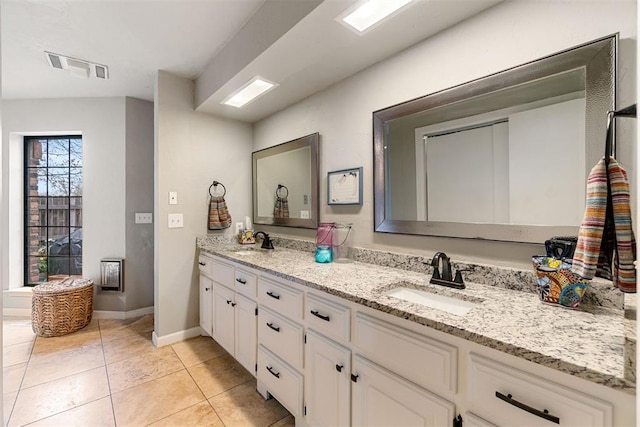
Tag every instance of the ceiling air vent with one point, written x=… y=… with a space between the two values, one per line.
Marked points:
x=77 y=67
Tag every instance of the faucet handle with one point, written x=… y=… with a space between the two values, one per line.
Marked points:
x=458 y=278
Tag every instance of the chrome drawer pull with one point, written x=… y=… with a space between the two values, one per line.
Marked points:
x=275 y=328
x=244 y=282
x=317 y=314
x=275 y=374
x=272 y=295
x=542 y=414
x=202 y=263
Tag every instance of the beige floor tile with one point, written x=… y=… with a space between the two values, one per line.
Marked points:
x=155 y=400
x=112 y=329
x=218 y=375
x=198 y=350
x=12 y=377
x=16 y=331
x=142 y=368
x=125 y=348
x=243 y=406
x=98 y=413
x=8 y=399
x=57 y=396
x=201 y=415
x=288 y=421
x=16 y=354
x=82 y=359
x=81 y=338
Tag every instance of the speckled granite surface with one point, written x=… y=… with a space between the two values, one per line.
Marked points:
x=588 y=343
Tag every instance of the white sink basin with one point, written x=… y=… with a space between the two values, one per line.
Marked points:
x=439 y=302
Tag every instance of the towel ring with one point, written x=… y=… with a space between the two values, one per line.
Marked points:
x=280 y=187
x=215 y=184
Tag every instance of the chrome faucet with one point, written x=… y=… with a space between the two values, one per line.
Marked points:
x=266 y=241
x=444 y=276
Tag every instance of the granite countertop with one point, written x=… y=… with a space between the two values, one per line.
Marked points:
x=587 y=343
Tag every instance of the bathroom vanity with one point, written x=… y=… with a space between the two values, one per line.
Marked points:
x=333 y=345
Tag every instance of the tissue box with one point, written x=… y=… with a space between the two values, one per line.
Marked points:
x=246 y=237
x=557 y=284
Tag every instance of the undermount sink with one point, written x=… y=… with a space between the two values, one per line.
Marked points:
x=431 y=300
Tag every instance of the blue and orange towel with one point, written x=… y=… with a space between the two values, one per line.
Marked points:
x=606 y=234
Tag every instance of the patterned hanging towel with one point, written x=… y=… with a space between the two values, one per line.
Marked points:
x=606 y=234
x=219 y=217
x=281 y=208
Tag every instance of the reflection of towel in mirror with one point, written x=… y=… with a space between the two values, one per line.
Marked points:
x=219 y=217
x=606 y=233
x=281 y=208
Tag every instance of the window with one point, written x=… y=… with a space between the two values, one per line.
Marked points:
x=53 y=208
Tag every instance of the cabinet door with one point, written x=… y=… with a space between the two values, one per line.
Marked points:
x=327 y=382
x=206 y=304
x=223 y=317
x=381 y=398
x=246 y=333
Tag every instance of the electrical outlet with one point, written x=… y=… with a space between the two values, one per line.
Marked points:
x=304 y=214
x=173 y=197
x=144 y=218
x=176 y=220
x=239 y=227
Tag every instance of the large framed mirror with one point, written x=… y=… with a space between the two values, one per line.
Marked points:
x=285 y=184
x=504 y=157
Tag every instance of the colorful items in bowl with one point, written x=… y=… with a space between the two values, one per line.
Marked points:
x=557 y=284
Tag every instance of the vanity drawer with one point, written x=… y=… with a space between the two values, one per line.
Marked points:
x=495 y=389
x=222 y=273
x=246 y=282
x=427 y=362
x=205 y=265
x=281 y=298
x=281 y=336
x=281 y=380
x=334 y=320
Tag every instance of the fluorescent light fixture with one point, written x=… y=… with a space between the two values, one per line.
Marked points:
x=250 y=91
x=371 y=12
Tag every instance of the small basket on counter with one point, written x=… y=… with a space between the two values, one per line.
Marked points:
x=557 y=284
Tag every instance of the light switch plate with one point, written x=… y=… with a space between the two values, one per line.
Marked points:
x=173 y=197
x=176 y=220
x=144 y=218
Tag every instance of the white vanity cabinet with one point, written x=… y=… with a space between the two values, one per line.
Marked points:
x=381 y=398
x=206 y=304
x=224 y=317
x=227 y=313
x=327 y=386
x=334 y=362
x=205 y=266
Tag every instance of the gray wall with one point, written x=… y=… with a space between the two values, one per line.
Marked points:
x=139 y=198
x=191 y=150
x=504 y=36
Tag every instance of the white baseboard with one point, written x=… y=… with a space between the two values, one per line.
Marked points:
x=175 y=337
x=122 y=315
x=18 y=312
x=97 y=314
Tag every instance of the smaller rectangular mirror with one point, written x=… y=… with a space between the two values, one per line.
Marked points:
x=285 y=184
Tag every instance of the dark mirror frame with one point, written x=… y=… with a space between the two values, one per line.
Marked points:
x=311 y=141
x=599 y=61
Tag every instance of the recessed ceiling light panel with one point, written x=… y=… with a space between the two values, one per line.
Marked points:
x=250 y=91
x=365 y=15
x=77 y=67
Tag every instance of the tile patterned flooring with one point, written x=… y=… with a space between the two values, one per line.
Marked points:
x=110 y=374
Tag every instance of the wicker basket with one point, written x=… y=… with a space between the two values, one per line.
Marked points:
x=60 y=308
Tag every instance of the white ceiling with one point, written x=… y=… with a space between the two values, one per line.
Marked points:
x=136 y=38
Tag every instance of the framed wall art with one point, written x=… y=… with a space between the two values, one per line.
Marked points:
x=344 y=187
